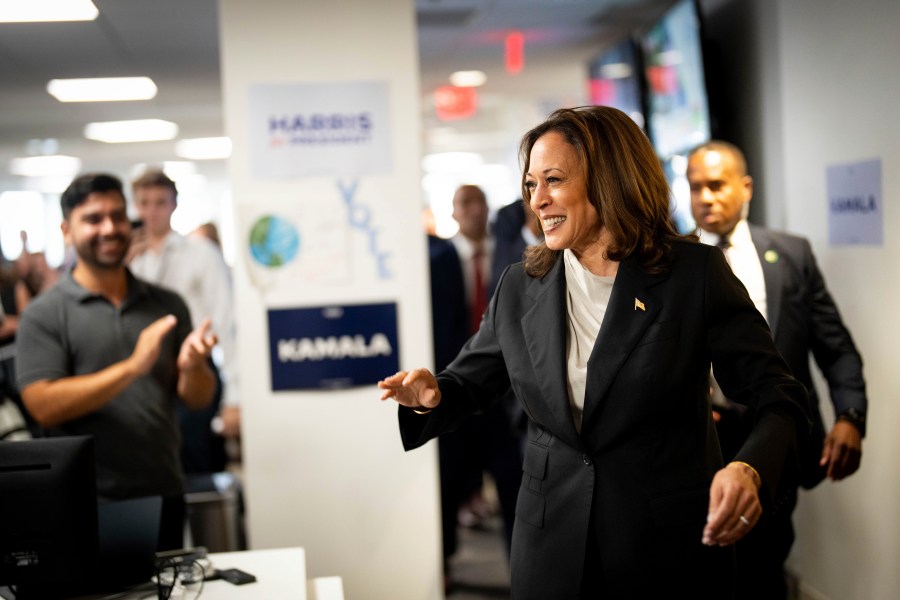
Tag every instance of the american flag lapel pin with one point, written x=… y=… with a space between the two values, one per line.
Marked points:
x=639 y=305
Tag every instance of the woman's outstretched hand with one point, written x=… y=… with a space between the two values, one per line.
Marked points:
x=417 y=389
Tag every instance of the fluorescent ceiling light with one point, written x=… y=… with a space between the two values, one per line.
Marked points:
x=45 y=166
x=23 y=11
x=174 y=169
x=468 y=78
x=141 y=130
x=451 y=162
x=53 y=184
x=204 y=148
x=102 y=89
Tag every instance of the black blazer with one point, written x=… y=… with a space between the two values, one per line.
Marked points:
x=637 y=477
x=804 y=318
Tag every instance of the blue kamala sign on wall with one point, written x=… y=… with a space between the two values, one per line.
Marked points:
x=331 y=347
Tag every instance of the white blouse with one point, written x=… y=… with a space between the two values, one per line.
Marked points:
x=587 y=296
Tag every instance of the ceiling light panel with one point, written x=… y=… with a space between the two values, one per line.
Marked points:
x=102 y=89
x=26 y=11
x=468 y=78
x=141 y=130
x=45 y=166
x=204 y=148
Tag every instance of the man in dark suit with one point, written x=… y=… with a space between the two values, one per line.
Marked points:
x=780 y=273
x=459 y=277
x=515 y=228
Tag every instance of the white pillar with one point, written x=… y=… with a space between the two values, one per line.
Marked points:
x=325 y=469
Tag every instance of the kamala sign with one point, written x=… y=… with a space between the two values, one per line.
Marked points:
x=332 y=346
x=855 y=200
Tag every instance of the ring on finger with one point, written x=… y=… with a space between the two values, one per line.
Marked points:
x=744 y=520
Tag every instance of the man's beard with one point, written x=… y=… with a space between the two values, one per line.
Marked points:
x=89 y=253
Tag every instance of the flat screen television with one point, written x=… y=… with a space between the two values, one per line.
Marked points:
x=615 y=80
x=678 y=116
x=48 y=515
x=677 y=105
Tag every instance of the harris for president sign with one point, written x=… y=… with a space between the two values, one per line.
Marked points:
x=319 y=130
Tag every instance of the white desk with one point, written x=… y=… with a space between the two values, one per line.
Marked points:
x=280 y=575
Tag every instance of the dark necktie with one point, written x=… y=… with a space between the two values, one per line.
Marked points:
x=479 y=298
x=724 y=244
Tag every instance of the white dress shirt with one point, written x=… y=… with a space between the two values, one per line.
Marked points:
x=465 y=249
x=744 y=260
x=195 y=269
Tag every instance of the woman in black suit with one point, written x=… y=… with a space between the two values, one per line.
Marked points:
x=606 y=334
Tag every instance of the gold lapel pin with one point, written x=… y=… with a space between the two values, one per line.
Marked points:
x=771 y=256
x=639 y=305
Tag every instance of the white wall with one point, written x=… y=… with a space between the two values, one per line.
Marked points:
x=840 y=77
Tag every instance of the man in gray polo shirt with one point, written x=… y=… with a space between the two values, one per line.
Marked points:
x=108 y=355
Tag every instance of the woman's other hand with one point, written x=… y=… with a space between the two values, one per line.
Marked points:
x=734 y=506
x=417 y=389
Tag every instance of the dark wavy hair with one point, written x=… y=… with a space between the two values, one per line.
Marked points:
x=625 y=184
x=85 y=185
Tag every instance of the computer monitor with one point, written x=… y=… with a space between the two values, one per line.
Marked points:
x=48 y=515
x=615 y=80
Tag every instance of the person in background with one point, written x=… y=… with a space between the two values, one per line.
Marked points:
x=208 y=231
x=34 y=274
x=20 y=281
x=194 y=268
x=228 y=422
x=474 y=246
x=450 y=330
x=14 y=424
x=515 y=228
x=460 y=271
x=9 y=306
x=109 y=355
x=605 y=334
x=781 y=275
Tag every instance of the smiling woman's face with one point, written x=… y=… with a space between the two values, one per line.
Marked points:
x=558 y=191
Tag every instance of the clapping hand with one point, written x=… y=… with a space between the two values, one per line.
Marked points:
x=197 y=347
x=149 y=342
